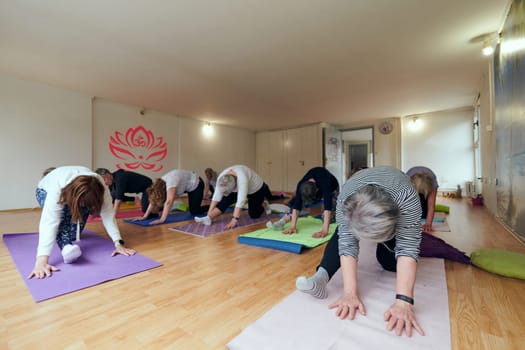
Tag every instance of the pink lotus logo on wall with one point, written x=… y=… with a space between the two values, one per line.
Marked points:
x=138 y=148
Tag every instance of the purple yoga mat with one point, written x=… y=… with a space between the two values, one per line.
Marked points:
x=434 y=247
x=95 y=266
x=200 y=230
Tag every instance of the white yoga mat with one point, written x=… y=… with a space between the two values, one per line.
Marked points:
x=303 y=322
x=441 y=226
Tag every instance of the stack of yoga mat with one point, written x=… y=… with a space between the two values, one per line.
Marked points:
x=294 y=243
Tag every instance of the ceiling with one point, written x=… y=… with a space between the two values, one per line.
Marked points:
x=256 y=64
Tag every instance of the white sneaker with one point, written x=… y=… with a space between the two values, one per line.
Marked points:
x=205 y=220
x=71 y=252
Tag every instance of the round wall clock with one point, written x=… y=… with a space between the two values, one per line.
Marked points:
x=386 y=127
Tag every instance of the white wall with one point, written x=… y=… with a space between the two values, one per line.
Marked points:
x=443 y=142
x=224 y=147
x=187 y=146
x=111 y=117
x=41 y=126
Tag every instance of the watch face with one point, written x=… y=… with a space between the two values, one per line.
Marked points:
x=386 y=128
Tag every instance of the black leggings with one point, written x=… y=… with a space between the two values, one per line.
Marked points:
x=255 y=201
x=195 y=200
x=331 y=261
x=424 y=206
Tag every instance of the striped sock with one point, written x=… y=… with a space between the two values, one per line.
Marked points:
x=315 y=285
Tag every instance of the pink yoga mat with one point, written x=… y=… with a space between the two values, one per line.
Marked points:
x=95 y=266
x=120 y=215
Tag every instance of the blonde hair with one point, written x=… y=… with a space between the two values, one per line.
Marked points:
x=371 y=214
x=157 y=194
x=422 y=183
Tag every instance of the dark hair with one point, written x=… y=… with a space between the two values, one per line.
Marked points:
x=84 y=191
x=308 y=190
x=103 y=171
x=48 y=170
x=209 y=172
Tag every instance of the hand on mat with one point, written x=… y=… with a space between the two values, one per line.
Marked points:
x=290 y=231
x=319 y=234
x=347 y=305
x=427 y=227
x=138 y=218
x=42 y=269
x=401 y=316
x=156 y=222
x=231 y=224
x=120 y=249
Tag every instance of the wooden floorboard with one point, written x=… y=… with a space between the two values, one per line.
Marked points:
x=209 y=289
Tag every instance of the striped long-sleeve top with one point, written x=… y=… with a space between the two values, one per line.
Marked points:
x=399 y=187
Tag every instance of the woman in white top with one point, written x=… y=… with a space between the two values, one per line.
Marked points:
x=238 y=184
x=174 y=184
x=67 y=196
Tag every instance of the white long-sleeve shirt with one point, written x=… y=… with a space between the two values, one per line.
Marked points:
x=248 y=182
x=53 y=183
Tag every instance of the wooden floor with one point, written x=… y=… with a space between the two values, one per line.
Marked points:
x=209 y=289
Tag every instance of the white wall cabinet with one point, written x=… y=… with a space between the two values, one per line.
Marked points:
x=284 y=156
x=269 y=158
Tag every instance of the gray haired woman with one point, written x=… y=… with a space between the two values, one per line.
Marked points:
x=238 y=184
x=378 y=204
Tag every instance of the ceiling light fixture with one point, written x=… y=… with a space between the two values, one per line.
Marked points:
x=415 y=123
x=207 y=129
x=487 y=49
x=489 y=43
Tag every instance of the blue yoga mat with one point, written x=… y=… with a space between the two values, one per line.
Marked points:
x=439 y=219
x=175 y=217
x=273 y=244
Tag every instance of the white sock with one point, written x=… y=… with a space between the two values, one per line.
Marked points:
x=204 y=220
x=278 y=225
x=315 y=285
x=267 y=208
x=70 y=253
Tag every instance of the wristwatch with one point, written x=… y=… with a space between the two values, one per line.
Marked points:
x=119 y=242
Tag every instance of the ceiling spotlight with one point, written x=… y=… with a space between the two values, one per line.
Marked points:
x=487 y=49
x=207 y=129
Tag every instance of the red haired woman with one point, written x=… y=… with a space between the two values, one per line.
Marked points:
x=67 y=196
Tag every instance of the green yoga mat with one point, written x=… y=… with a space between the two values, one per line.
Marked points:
x=276 y=239
x=442 y=208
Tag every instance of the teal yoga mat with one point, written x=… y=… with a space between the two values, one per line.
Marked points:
x=294 y=243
